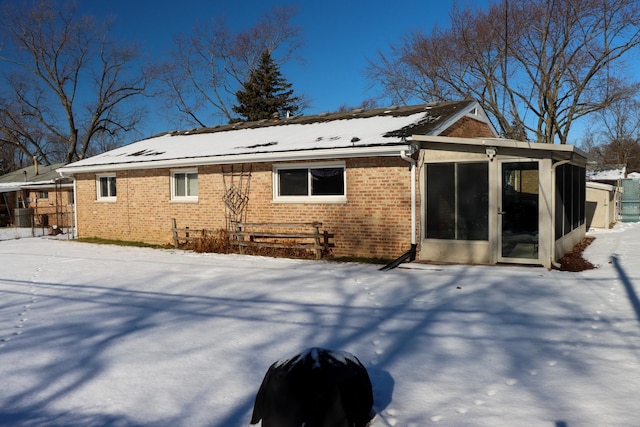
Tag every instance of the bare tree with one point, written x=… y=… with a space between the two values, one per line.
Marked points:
x=67 y=84
x=616 y=135
x=366 y=104
x=536 y=66
x=208 y=67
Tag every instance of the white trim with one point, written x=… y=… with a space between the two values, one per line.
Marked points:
x=187 y=198
x=99 y=196
x=498 y=143
x=301 y=155
x=309 y=198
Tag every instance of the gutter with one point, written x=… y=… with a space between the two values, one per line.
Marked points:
x=226 y=159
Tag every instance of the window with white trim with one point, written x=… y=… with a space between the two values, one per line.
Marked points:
x=106 y=187
x=184 y=185
x=310 y=182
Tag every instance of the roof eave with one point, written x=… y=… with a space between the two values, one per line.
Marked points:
x=424 y=141
x=277 y=156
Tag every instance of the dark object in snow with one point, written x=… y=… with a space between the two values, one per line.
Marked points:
x=410 y=255
x=316 y=388
x=573 y=260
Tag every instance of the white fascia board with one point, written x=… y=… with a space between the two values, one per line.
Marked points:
x=499 y=142
x=10 y=188
x=51 y=184
x=333 y=153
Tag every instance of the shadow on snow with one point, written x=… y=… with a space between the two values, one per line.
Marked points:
x=469 y=315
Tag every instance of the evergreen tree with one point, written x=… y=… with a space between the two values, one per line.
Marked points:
x=266 y=93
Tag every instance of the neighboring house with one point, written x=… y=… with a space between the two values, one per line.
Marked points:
x=606 y=174
x=36 y=196
x=380 y=180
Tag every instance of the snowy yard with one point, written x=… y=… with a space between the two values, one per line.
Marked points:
x=96 y=335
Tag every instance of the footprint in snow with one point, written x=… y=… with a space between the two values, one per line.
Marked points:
x=389 y=416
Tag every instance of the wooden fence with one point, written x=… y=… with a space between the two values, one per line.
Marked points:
x=292 y=235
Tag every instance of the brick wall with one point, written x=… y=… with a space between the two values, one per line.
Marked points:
x=56 y=209
x=374 y=222
x=468 y=127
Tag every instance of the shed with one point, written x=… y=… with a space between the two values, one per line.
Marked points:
x=601 y=205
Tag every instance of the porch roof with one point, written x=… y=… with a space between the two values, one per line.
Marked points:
x=534 y=149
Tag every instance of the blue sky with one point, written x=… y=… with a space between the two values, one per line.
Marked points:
x=339 y=36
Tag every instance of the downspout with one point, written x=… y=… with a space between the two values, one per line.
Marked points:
x=411 y=253
x=412 y=162
x=75 y=207
x=554 y=263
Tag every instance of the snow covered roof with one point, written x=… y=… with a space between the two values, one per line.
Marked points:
x=9 y=187
x=600 y=186
x=606 y=172
x=29 y=176
x=378 y=132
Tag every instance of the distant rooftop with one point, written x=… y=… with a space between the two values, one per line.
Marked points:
x=597 y=172
x=31 y=174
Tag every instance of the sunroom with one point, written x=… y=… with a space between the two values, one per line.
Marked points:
x=490 y=201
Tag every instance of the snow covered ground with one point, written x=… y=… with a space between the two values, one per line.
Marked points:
x=95 y=335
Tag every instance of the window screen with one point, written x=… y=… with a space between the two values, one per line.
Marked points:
x=457 y=201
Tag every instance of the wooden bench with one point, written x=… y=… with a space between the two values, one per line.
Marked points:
x=296 y=235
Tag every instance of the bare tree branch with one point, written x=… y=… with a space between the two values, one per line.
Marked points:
x=209 y=66
x=65 y=79
x=537 y=66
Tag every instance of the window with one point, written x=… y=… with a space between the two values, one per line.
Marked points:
x=457 y=201
x=43 y=194
x=106 y=187
x=570 y=198
x=184 y=185
x=314 y=182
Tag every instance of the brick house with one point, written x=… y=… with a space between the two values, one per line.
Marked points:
x=36 y=196
x=363 y=174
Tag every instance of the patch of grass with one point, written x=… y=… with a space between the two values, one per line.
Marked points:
x=362 y=260
x=99 y=241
